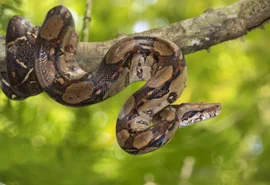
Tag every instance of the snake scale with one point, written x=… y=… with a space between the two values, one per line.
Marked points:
x=43 y=59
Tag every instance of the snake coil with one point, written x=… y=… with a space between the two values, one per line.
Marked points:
x=43 y=59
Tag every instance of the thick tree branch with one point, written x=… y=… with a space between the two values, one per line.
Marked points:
x=202 y=32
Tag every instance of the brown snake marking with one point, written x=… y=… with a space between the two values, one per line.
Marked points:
x=44 y=60
x=20 y=75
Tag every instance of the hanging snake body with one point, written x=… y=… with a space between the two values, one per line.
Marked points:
x=43 y=59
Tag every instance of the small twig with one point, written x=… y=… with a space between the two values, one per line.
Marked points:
x=87 y=20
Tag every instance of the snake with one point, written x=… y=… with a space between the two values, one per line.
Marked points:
x=43 y=59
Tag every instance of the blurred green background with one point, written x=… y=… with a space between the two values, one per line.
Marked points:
x=43 y=142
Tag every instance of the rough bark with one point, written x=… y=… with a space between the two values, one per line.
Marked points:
x=198 y=33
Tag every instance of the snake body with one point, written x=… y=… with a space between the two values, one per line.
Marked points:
x=44 y=60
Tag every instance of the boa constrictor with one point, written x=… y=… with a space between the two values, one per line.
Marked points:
x=43 y=59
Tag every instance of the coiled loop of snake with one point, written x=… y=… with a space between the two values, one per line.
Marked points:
x=147 y=121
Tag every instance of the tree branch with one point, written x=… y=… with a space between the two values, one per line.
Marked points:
x=87 y=20
x=198 y=33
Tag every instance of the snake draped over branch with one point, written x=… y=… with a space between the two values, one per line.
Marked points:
x=43 y=59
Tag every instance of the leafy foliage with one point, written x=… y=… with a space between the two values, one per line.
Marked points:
x=43 y=142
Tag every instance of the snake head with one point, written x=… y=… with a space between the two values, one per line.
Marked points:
x=191 y=113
